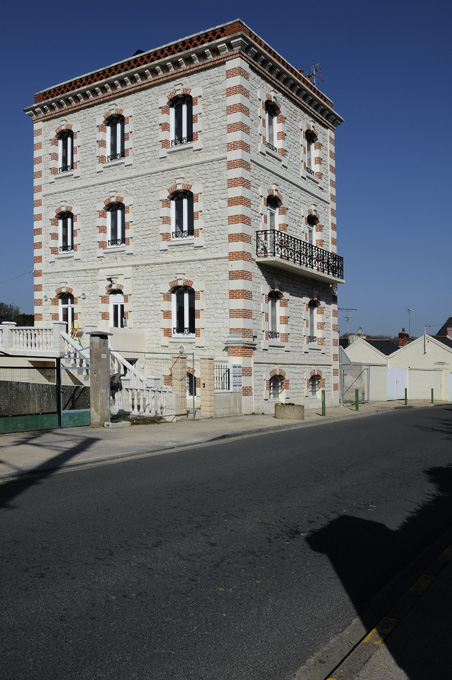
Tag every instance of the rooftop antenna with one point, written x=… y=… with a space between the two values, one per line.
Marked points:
x=347 y=311
x=315 y=73
x=409 y=320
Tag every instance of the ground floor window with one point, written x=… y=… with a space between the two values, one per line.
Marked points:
x=314 y=384
x=275 y=387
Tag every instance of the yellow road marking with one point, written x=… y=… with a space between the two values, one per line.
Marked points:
x=421 y=585
x=381 y=631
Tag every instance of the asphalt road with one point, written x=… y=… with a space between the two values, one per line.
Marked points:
x=231 y=561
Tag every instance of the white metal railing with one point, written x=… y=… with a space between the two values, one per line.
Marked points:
x=31 y=339
x=78 y=355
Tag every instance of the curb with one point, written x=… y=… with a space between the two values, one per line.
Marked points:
x=349 y=651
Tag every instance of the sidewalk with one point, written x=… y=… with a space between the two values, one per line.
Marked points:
x=36 y=451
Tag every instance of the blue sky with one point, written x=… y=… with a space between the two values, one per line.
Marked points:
x=387 y=68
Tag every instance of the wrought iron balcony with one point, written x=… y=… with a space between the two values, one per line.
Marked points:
x=66 y=249
x=273 y=335
x=278 y=249
x=65 y=168
x=272 y=147
x=116 y=156
x=116 y=242
x=183 y=331
x=181 y=140
x=183 y=234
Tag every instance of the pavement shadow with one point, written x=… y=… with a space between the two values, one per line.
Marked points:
x=357 y=548
x=11 y=489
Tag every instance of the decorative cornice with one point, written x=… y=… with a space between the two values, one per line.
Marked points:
x=196 y=52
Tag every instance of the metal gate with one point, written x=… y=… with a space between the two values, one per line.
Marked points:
x=397 y=382
x=75 y=389
x=141 y=385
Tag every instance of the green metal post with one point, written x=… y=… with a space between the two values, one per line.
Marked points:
x=432 y=395
x=406 y=396
x=356 y=400
x=323 y=403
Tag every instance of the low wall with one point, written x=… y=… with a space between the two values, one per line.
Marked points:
x=228 y=404
x=19 y=398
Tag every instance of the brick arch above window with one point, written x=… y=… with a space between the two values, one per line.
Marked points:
x=311 y=151
x=103 y=153
x=115 y=198
x=58 y=165
x=167 y=215
x=167 y=290
x=267 y=196
x=55 y=236
x=166 y=122
x=273 y=127
x=269 y=377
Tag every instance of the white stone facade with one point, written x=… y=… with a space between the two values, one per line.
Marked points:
x=233 y=178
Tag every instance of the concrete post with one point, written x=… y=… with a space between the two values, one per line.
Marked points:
x=207 y=387
x=6 y=337
x=59 y=343
x=179 y=382
x=99 y=378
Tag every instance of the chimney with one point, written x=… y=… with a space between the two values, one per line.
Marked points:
x=403 y=338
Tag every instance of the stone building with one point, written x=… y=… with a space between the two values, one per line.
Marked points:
x=186 y=196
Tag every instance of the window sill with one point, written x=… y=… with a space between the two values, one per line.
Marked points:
x=181 y=241
x=69 y=173
x=179 y=147
x=66 y=254
x=269 y=152
x=313 y=178
x=112 y=249
x=109 y=164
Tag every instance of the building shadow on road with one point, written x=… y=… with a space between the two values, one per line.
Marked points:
x=361 y=551
x=37 y=475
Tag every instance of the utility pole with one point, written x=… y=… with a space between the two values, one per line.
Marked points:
x=347 y=311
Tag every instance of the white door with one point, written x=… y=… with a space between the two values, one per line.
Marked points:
x=397 y=381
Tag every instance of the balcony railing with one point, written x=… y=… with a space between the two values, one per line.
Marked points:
x=273 y=335
x=116 y=242
x=183 y=234
x=115 y=156
x=65 y=168
x=183 y=331
x=272 y=147
x=291 y=250
x=177 y=141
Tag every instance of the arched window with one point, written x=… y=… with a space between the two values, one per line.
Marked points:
x=312 y=220
x=116 y=224
x=271 y=126
x=183 y=311
x=272 y=213
x=115 y=138
x=65 y=232
x=314 y=384
x=65 y=151
x=117 y=319
x=181 y=120
x=67 y=310
x=311 y=139
x=312 y=318
x=275 y=387
x=273 y=315
x=182 y=215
